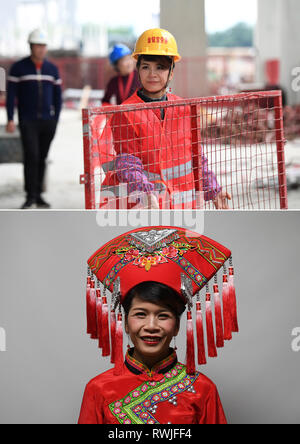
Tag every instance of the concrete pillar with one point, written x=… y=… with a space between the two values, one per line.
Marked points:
x=185 y=19
x=8 y=19
x=277 y=36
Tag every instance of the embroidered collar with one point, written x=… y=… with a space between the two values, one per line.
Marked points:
x=138 y=368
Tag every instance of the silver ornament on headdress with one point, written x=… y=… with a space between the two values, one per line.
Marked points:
x=153 y=239
x=116 y=294
x=173 y=400
x=187 y=290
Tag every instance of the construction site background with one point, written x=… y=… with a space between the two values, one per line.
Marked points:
x=223 y=71
x=229 y=71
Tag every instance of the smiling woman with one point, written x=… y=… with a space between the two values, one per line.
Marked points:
x=152 y=320
x=153 y=156
x=153 y=274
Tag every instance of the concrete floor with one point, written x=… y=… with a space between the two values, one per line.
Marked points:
x=64 y=169
x=66 y=165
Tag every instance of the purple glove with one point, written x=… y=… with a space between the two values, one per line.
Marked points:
x=129 y=169
x=210 y=184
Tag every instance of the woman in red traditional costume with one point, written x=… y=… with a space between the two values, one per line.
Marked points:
x=153 y=274
x=153 y=147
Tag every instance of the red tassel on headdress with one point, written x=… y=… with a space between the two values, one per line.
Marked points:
x=190 y=346
x=105 y=328
x=88 y=289
x=226 y=309
x=200 y=335
x=91 y=312
x=232 y=299
x=218 y=318
x=112 y=335
x=119 y=360
x=99 y=316
x=212 y=351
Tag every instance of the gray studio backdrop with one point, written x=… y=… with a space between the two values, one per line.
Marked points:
x=49 y=358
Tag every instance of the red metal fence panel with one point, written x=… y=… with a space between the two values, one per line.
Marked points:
x=189 y=153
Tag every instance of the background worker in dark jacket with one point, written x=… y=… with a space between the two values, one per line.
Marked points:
x=36 y=85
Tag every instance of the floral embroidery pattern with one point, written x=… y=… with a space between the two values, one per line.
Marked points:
x=174 y=252
x=191 y=271
x=121 y=245
x=113 y=273
x=147 y=260
x=137 y=406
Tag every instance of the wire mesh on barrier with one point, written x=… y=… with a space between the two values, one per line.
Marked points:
x=207 y=153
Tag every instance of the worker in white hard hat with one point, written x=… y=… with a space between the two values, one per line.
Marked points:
x=36 y=84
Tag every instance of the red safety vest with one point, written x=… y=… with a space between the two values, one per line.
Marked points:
x=164 y=148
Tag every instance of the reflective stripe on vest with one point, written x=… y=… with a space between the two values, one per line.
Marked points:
x=152 y=177
x=121 y=190
x=177 y=171
x=182 y=197
x=109 y=166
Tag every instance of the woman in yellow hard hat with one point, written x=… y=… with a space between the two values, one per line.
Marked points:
x=156 y=49
x=143 y=165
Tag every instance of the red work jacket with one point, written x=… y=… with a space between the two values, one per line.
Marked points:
x=164 y=146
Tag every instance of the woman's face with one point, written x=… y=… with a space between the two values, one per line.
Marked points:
x=154 y=76
x=151 y=328
x=125 y=65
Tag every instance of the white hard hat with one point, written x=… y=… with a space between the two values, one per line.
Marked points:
x=38 y=37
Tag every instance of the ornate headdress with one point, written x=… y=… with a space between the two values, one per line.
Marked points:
x=178 y=258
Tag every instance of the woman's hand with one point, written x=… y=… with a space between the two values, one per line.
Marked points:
x=152 y=202
x=221 y=200
x=146 y=201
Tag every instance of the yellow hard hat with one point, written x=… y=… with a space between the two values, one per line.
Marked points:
x=156 y=42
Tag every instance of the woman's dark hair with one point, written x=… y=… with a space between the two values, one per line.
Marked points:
x=156 y=292
x=155 y=58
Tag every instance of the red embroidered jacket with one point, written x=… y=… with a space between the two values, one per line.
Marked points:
x=164 y=395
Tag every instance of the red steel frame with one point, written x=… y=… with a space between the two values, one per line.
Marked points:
x=280 y=152
x=86 y=178
x=228 y=101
